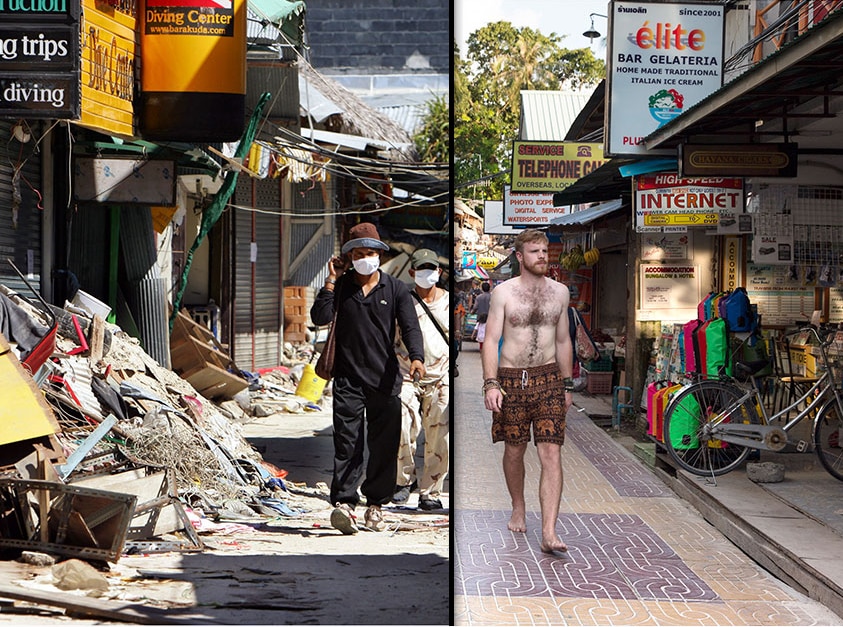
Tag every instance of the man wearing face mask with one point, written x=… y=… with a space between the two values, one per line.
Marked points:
x=425 y=405
x=366 y=376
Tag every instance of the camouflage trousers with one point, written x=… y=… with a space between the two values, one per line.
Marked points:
x=425 y=408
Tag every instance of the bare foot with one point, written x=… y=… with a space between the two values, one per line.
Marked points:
x=553 y=546
x=517 y=522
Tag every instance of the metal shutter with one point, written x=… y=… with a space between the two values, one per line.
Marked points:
x=20 y=230
x=257 y=286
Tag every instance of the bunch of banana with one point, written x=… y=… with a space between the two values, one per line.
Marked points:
x=572 y=259
x=591 y=256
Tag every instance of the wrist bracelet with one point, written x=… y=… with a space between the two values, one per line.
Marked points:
x=330 y=280
x=491 y=384
x=568 y=384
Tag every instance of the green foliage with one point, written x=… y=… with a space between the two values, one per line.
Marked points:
x=502 y=61
x=433 y=139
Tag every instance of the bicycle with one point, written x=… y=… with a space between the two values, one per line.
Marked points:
x=712 y=424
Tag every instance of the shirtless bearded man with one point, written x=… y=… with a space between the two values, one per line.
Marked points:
x=529 y=383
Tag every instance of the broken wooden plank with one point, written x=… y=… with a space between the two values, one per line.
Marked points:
x=187 y=351
x=190 y=327
x=97 y=338
x=44 y=495
x=87 y=606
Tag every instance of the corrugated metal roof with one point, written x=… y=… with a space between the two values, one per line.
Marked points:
x=409 y=116
x=355 y=142
x=547 y=115
x=587 y=216
x=314 y=103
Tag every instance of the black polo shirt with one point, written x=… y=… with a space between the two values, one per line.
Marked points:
x=365 y=330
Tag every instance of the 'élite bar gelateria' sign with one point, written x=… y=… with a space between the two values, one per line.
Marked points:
x=663 y=59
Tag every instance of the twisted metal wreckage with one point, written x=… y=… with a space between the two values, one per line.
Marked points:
x=102 y=449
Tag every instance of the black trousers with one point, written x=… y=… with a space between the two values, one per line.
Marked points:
x=361 y=411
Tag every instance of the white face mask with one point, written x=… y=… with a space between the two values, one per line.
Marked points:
x=367 y=265
x=427 y=278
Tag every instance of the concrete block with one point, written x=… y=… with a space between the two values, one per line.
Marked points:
x=765 y=472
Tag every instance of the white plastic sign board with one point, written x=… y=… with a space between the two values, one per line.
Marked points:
x=534 y=210
x=143 y=181
x=663 y=59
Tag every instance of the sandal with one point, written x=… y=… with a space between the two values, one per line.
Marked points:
x=373 y=518
x=343 y=519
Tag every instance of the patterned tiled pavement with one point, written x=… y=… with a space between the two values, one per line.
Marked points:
x=637 y=555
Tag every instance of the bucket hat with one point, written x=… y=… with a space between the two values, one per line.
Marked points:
x=363 y=235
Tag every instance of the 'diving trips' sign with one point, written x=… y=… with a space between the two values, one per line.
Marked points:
x=39 y=59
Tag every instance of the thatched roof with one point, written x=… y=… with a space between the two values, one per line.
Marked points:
x=357 y=118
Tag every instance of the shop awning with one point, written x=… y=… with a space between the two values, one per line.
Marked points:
x=467 y=274
x=610 y=181
x=604 y=183
x=185 y=155
x=287 y=16
x=461 y=208
x=587 y=216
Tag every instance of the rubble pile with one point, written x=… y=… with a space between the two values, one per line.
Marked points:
x=123 y=448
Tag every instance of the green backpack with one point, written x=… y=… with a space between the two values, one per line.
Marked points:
x=717 y=348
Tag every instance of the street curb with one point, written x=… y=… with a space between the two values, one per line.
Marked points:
x=775 y=554
x=737 y=508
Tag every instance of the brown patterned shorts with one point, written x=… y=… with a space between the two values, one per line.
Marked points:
x=534 y=396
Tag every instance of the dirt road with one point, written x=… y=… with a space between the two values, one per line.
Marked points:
x=283 y=570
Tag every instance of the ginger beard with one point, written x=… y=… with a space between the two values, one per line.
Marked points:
x=534 y=261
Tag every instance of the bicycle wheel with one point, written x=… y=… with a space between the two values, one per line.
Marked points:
x=687 y=428
x=828 y=429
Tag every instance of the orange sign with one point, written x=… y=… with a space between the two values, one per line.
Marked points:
x=194 y=46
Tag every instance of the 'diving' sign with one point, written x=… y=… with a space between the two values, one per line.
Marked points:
x=46 y=98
